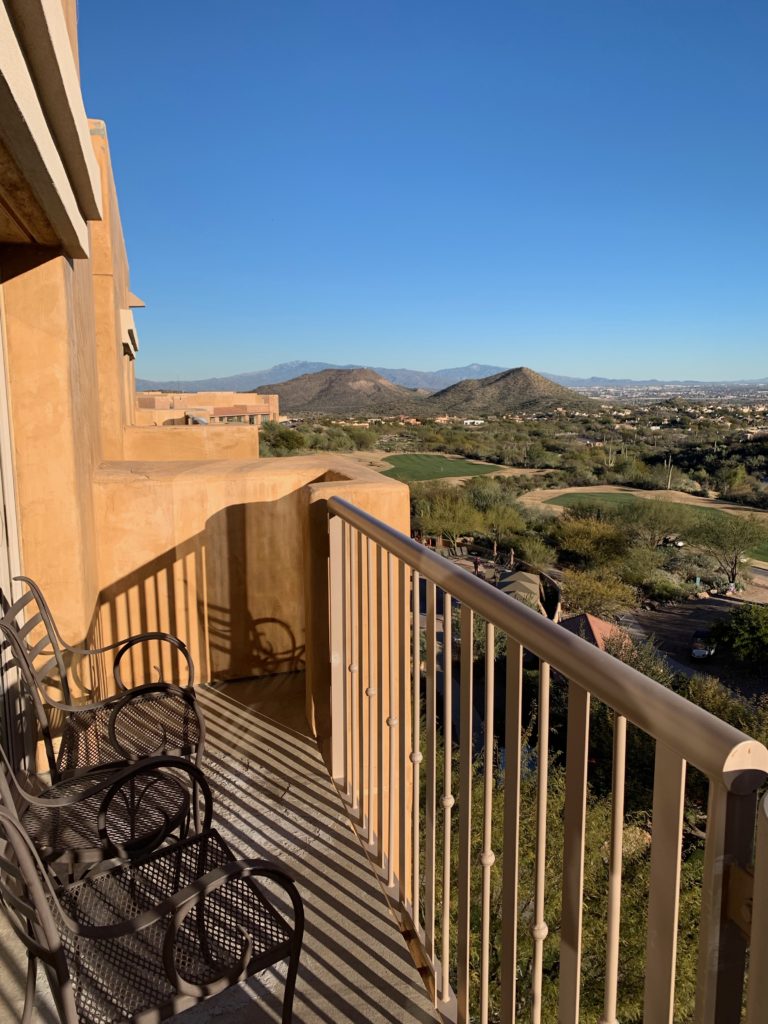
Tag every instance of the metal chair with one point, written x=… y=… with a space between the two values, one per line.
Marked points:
x=146 y=939
x=123 y=813
x=143 y=721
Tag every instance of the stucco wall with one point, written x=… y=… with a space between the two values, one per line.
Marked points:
x=232 y=557
x=228 y=441
x=53 y=404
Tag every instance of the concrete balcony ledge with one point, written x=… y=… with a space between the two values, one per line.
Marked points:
x=275 y=799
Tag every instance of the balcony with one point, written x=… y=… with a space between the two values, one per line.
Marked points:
x=457 y=893
x=275 y=799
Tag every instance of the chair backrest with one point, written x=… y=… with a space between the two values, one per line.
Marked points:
x=32 y=679
x=30 y=620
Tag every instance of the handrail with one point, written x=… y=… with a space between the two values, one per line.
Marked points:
x=721 y=751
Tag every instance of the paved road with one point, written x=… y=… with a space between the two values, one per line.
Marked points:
x=672 y=629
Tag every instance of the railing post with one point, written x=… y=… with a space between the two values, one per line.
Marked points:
x=722 y=947
x=510 y=851
x=664 y=886
x=614 y=870
x=430 y=794
x=487 y=856
x=415 y=756
x=371 y=690
x=448 y=798
x=757 y=982
x=336 y=606
x=392 y=718
x=539 y=928
x=463 y=882
x=574 y=830
x=404 y=745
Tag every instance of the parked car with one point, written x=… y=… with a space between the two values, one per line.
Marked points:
x=702 y=644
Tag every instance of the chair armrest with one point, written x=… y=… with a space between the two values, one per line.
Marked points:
x=143 y=638
x=125 y=694
x=112 y=781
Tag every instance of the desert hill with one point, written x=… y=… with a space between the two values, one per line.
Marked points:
x=512 y=391
x=346 y=392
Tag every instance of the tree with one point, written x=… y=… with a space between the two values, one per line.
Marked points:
x=483 y=492
x=745 y=633
x=450 y=515
x=728 y=538
x=500 y=522
x=589 y=540
x=535 y=553
x=651 y=520
x=642 y=655
x=731 y=479
x=635 y=885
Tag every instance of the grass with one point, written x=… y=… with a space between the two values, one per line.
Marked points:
x=611 y=500
x=409 y=468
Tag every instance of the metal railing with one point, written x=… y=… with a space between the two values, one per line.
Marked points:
x=395 y=681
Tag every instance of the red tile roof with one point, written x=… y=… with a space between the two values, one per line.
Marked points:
x=595 y=630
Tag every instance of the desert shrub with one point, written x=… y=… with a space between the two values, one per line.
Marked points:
x=745 y=633
x=602 y=594
x=662 y=586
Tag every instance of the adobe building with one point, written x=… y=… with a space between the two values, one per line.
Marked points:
x=124 y=525
x=181 y=408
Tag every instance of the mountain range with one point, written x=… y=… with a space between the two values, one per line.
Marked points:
x=363 y=391
x=431 y=380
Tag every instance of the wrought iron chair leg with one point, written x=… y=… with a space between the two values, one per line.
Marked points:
x=29 y=990
x=290 y=983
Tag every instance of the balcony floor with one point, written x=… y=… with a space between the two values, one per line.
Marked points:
x=274 y=799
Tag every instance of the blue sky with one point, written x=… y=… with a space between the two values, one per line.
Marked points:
x=579 y=187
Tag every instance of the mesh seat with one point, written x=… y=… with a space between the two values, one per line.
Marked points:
x=117 y=979
x=148 y=724
x=64 y=822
